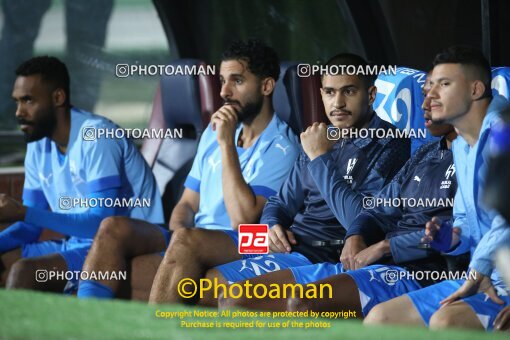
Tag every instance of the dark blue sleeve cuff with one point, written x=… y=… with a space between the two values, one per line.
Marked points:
x=192 y=183
x=266 y=192
x=35 y=196
x=104 y=183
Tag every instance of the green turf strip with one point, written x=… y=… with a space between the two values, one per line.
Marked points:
x=31 y=315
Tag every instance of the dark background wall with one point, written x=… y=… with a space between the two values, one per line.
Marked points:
x=399 y=32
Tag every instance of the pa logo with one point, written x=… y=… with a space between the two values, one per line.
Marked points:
x=253 y=238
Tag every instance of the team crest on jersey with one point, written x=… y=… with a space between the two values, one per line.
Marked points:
x=350 y=166
x=450 y=172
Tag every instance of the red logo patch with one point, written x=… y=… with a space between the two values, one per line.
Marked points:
x=253 y=238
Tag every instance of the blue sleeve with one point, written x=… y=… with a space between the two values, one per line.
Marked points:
x=17 y=235
x=368 y=227
x=79 y=225
x=102 y=163
x=345 y=202
x=482 y=260
x=404 y=247
x=386 y=217
x=271 y=168
x=195 y=175
x=459 y=221
x=20 y=233
x=376 y=219
x=281 y=208
x=32 y=190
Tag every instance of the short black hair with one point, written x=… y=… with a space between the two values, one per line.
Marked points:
x=471 y=59
x=52 y=71
x=354 y=60
x=261 y=59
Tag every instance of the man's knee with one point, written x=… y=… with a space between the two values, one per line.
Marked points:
x=378 y=315
x=184 y=241
x=115 y=229
x=22 y=274
x=299 y=304
x=226 y=301
x=448 y=318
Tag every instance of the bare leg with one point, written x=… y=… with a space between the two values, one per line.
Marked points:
x=397 y=311
x=143 y=270
x=6 y=261
x=209 y=299
x=118 y=240
x=23 y=273
x=190 y=254
x=457 y=315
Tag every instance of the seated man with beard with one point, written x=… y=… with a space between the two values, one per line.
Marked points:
x=243 y=158
x=64 y=171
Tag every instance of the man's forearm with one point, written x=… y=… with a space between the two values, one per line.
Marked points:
x=385 y=247
x=240 y=201
x=183 y=216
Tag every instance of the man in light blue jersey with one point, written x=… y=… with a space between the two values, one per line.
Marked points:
x=71 y=181
x=243 y=157
x=460 y=94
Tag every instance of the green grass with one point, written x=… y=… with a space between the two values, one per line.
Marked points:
x=31 y=315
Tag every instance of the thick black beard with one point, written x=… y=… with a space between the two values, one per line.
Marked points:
x=250 y=111
x=439 y=121
x=42 y=128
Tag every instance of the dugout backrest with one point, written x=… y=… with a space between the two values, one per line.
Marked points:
x=182 y=103
x=399 y=99
x=297 y=99
x=313 y=107
x=287 y=97
x=501 y=81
